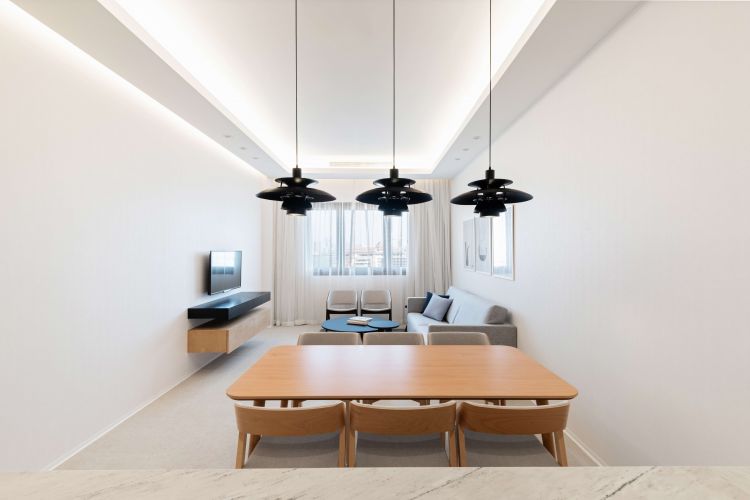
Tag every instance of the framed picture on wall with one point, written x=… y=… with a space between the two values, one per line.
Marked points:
x=483 y=230
x=468 y=249
x=503 y=245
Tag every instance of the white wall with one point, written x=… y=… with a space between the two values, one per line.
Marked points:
x=109 y=205
x=632 y=260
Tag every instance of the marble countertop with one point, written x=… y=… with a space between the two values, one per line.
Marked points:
x=447 y=483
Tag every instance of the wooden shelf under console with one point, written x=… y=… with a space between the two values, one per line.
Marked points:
x=226 y=336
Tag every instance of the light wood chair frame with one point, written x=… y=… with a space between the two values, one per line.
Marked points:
x=257 y=421
x=436 y=419
x=547 y=420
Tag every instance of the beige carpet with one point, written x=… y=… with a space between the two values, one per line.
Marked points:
x=192 y=426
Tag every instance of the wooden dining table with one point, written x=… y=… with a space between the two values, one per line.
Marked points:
x=373 y=372
x=398 y=372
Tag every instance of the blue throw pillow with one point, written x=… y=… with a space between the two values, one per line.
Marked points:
x=437 y=308
x=427 y=298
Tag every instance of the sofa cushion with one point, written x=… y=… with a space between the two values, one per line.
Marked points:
x=416 y=322
x=437 y=308
x=427 y=298
x=470 y=309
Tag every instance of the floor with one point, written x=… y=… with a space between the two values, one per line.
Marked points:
x=192 y=426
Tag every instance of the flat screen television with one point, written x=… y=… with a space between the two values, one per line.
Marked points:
x=224 y=271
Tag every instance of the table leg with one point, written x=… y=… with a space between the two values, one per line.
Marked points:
x=547 y=439
x=253 y=438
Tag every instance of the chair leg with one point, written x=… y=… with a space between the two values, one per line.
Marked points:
x=452 y=453
x=547 y=439
x=239 y=462
x=342 y=447
x=352 y=445
x=461 y=448
x=562 y=456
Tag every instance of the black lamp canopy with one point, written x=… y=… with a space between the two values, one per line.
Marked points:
x=394 y=193
x=294 y=193
x=490 y=194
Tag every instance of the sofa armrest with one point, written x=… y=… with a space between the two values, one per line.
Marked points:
x=501 y=334
x=414 y=304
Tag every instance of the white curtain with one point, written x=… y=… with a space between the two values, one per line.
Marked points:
x=347 y=245
x=430 y=240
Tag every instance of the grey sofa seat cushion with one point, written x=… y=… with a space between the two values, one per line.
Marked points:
x=491 y=450
x=437 y=307
x=273 y=452
x=417 y=322
x=401 y=451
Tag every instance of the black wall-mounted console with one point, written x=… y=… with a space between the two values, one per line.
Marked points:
x=228 y=308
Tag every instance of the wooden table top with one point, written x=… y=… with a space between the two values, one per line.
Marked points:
x=398 y=372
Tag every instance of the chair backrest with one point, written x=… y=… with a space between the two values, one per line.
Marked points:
x=513 y=420
x=377 y=297
x=389 y=338
x=458 y=338
x=301 y=421
x=403 y=421
x=342 y=298
x=329 y=338
x=412 y=420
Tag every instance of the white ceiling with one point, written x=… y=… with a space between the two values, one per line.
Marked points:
x=240 y=56
x=227 y=68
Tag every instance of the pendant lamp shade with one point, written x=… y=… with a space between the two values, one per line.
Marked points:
x=293 y=192
x=490 y=194
x=394 y=194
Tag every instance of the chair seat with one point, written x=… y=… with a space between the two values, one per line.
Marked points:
x=376 y=307
x=491 y=450
x=342 y=307
x=401 y=451
x=273 y=452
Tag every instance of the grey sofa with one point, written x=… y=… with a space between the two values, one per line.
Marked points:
x=468 y=313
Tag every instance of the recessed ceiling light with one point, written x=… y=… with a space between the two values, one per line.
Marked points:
x=256 y=157
x=243 y=148
x=477 y=137
x=228 y=136
x=457 y=159
x=465 y=149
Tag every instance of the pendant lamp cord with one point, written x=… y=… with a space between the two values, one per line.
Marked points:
x=393 y=48
x=489 y=139
x=296 y=94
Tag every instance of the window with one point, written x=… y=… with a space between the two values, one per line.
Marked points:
x=354 y=239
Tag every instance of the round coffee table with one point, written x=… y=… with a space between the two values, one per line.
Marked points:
x=340 y=325
x=375 y=325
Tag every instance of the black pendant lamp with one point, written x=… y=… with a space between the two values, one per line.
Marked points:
x=294 y=193
x=394 y=194
x=490 y=194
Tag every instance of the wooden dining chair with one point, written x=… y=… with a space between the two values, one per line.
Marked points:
x=457 y=338
x=402 y=437
x=291 y=437
x=503 y=436
x=393 y=338
x=329 y=338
